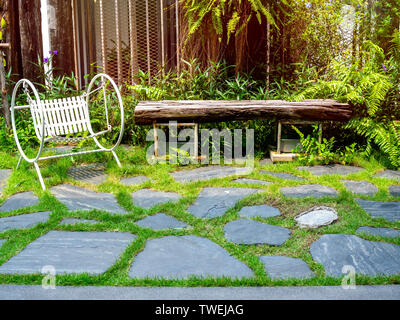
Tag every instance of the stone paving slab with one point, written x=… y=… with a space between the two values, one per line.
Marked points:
x=160 y=222
x=77 y=221
x=147 y=198
x=246 y=231
x=20 y=292
x=70 y=253
x=211 y=172
x=252 y=181
x=182 y=257
x=381 y=209
x=334 y=251
x=4 y=175
x=384 y=232
x=76 y=198
x=91 y=173
x=360 y=187
x=283 y=175
x=278 y=267
x=132 y=181
x=23 y=221
x=317 y=217
x=262 y=211
x=394 y=191
x=389 y=174
x=331 y=169
x=309 y=190
x=215 y=202
x=19 y=200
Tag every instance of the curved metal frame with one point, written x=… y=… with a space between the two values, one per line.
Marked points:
x=41 y=133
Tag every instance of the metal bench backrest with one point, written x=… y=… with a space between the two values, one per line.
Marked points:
x=62 y=116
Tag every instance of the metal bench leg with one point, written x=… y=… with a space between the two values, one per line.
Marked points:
x=116 y=159
x=40 y=175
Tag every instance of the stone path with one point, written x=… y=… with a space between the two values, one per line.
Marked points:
x=360 y=187
x=77 y=221
x=132 y=181
x=283 y=175
x=389 y=174
x=19 y=201
x=70 y=252
x=23 y=221
x=334 y=251
x=384 y=232
x=331 y=169
x=394 y=191
x=262 y=211
x=91 y=173
x=76 y=198
x=160 y=222
x=206 y=173
x=317 y=217
x=245 y=231
x=278 y=267
x=147 y=198
x=182 y=257
x=381 y=209
x=309 y=190
x=4 y=175
x=215 y=202
x=252 y=181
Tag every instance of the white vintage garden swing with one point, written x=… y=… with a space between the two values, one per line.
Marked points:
x=55 y=120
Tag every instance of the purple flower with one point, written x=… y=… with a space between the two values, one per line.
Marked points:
x=50 y=52
x=55 y=52
x=46 y=60
x=384 y=67
x=308 y=5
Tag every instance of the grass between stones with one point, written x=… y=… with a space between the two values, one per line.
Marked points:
x=351 y=217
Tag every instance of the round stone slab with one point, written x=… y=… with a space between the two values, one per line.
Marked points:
x=252 y=181
x=18 y=201
x=4 y=175
x=317 y=217
x=91 y=173
x=206 y=173
x=77 y=221
x=70 y=253
x=331 y=169
x=262 y=211
x=309 y=190
x=76 y=198
x=283 y=175
x=389 y=174
x=360 y=187
x=278 y=267
x=131 y=181
x=160 y=222
x=394 y=191
x=147 y=198
x=383 y=232
x=182 y=257
x=334 y=251
x=381 y=209
x=245 y=231
x=23 y=221
x=215 y=202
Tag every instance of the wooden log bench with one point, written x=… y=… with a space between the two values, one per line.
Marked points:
x=193 y=112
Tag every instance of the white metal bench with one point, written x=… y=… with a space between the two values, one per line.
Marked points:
x=56 y=120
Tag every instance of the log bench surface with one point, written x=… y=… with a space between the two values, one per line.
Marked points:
x=201 y=111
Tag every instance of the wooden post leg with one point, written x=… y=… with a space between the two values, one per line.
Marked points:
x=196 y=142
x=320 y=133
x=156 y=154
x=278 y=149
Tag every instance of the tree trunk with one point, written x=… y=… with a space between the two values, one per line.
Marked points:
x=148 y=112
x=4 y=94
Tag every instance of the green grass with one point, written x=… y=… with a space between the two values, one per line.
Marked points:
x=351 y=216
